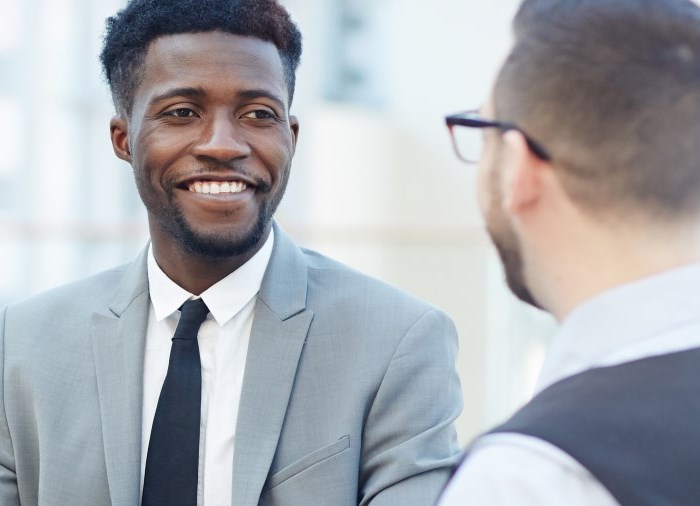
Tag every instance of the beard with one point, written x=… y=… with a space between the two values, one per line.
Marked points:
x=214 y=245
x=508 y=250
x=507 y=245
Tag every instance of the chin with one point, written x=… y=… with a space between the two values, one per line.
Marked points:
x=522 y=292
x=223 y=244
x=511 y=258
x=220 y=247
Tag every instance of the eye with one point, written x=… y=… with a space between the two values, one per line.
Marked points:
x=260 y=114
x=181 y=112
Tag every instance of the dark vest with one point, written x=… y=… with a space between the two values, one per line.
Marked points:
x=635 y=427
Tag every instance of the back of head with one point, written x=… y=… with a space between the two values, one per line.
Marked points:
x=130 y=32
x=612 y=90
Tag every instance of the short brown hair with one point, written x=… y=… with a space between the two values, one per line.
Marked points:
x=612 y=89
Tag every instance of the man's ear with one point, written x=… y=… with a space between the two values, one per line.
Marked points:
x=294 y=127
x=119 y=132
x=522 y=174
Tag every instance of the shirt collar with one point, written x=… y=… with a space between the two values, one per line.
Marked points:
x=629 y=315
x=224 y=299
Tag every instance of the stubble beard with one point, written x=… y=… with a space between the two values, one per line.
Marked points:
x=507 y=245
x=511 y=259
x=216 y=246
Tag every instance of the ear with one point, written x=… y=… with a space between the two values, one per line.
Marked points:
x=294 y=127
x=522 y=181
x=119 y=132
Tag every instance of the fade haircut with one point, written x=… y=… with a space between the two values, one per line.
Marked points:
x=130 y=32
x=612 y=89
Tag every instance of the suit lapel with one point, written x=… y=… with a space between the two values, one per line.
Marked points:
x=280 y=326
x=118 y=340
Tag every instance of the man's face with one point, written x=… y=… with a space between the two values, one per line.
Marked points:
x=210 y=141
x=499 y=228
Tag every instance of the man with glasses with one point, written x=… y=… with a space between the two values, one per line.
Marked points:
x=589 y=181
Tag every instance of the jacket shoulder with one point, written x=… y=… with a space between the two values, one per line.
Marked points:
x=92 y=293
x=334 y=283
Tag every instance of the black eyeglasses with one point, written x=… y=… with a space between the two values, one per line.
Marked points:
x=468 y=141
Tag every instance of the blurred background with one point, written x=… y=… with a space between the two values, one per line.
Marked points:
x=374 y=183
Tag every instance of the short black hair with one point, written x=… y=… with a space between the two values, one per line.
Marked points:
x=612 y=90
x=130 y=32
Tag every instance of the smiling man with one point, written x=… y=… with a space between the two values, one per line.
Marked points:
x=210 y=184
x=225 y=365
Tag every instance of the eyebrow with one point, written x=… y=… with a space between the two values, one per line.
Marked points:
x=251 y=94
x=178 y=92
x=198 y=93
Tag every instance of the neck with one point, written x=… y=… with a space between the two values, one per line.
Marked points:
x=588 y=263
x=195 y=272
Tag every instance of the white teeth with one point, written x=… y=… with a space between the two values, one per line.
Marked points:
x=214 y=187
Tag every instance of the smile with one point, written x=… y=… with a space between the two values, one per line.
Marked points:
x=215 y=187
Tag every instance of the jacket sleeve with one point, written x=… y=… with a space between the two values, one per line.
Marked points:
x=410 y=446
x=9 y=493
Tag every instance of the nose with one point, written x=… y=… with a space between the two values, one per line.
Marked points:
x=221 y=140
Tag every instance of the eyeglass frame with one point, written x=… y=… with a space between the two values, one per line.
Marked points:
x=471 y=119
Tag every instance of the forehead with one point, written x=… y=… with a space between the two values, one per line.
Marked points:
x=212 y=59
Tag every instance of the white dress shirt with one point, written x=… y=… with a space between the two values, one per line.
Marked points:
x=223 y=346
x=653 y=316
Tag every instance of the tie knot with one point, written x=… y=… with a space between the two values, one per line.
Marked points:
x=193 y=313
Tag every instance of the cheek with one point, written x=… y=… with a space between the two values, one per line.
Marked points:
x=156 y=155
x=276 y=156
x=488 y=179
x=483 y=186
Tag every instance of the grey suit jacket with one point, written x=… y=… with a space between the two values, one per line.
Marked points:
x=349 y=395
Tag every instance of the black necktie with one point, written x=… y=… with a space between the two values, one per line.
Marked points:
x=172 y=463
